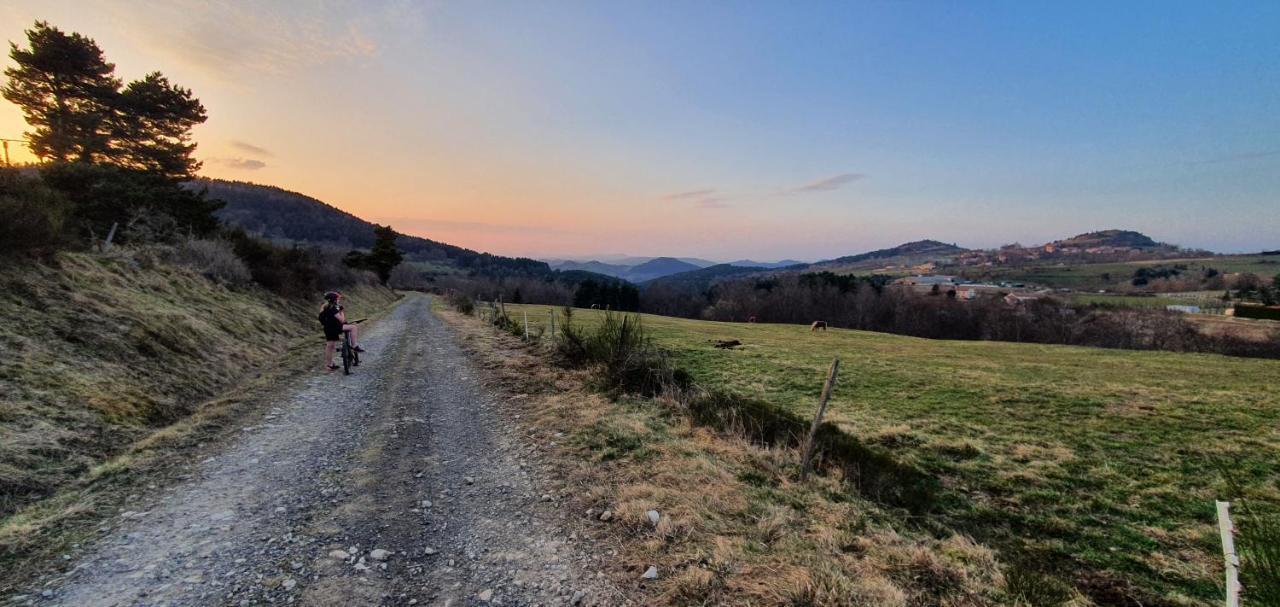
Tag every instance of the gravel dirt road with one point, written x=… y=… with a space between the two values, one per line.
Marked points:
x=401 y=484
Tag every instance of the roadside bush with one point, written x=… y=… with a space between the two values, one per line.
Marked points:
x=461 y=302
x=294 y=271
x=215 y=259
x=625 y=359
x=35 y=216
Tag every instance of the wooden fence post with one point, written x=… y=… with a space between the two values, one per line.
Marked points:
x=817 y=418
x=1227 y=531
x=551 y=323
x=526 y=325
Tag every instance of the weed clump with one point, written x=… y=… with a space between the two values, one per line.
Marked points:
x=625 y=360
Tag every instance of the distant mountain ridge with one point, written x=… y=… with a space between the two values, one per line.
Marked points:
x=748 y=263
x=657 y=268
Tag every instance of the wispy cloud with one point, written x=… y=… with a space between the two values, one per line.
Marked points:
x=251 y=149
x=1239 y=157
x=693 y=194
x=826 y=185
x=706 y=199
x=231 y=40
x=239 y=164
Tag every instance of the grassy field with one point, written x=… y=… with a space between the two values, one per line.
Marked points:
x=1095 y=276
x=1100 y=463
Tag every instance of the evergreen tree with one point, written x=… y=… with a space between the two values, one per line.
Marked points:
x=66 y=90
x=382 y=258
x=153 y=128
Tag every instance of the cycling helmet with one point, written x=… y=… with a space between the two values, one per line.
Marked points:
x=332 y=296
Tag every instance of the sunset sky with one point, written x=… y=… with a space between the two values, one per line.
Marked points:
x=728 y=129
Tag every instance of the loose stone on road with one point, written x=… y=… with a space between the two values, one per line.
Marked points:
x=397 y=485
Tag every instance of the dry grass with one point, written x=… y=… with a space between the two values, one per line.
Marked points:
x=735 y=528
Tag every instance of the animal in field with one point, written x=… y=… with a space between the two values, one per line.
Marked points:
x=751 y=319
x=818 y=324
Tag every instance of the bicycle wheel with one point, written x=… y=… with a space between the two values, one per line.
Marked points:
x=346 y=356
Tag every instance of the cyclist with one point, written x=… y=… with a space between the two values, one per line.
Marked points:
x=334 y=320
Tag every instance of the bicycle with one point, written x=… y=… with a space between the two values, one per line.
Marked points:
x=350 y=358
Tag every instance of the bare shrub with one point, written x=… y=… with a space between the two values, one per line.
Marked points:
x=461 y=302
x=215 y=259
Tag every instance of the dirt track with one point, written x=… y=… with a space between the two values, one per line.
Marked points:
x=409 y=455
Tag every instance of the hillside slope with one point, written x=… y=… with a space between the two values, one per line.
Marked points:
x=111 y=348
x=279 y=214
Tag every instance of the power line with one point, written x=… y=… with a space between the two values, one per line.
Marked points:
x=5 y=142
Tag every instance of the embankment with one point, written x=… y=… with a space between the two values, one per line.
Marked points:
x=102 y=351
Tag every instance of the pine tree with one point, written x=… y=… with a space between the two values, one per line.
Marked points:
x=382 y=258
x=153 y=128
x=66 y=90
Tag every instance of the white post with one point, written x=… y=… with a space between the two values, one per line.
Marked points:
x=526 y=325
x=1227 y=530
x=111 y=234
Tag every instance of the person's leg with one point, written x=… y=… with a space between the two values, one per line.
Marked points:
x=328 y=354
x=353 y=331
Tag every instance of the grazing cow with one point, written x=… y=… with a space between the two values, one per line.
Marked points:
x=751 y=319
x=818 y=324
x=595 y=306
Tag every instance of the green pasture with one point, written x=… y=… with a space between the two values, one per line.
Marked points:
x=1104 y=463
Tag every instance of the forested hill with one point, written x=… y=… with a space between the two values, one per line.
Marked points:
x=919 y=248
x=280 y=214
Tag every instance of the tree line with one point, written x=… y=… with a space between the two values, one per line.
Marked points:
x=872 y=303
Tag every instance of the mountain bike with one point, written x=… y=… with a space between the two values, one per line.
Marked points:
x=350 y=358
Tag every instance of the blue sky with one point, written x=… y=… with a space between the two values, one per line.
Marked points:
x=727 y=130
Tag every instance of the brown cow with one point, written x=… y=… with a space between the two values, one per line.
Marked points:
x=751 y=319
x=818 y=324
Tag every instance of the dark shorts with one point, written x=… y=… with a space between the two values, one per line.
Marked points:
x=332 y=333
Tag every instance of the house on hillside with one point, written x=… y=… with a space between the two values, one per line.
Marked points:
x=1018 y=299
x=971 y=291
x=928 y=281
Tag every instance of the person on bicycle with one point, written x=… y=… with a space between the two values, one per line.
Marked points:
x=334 y=320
